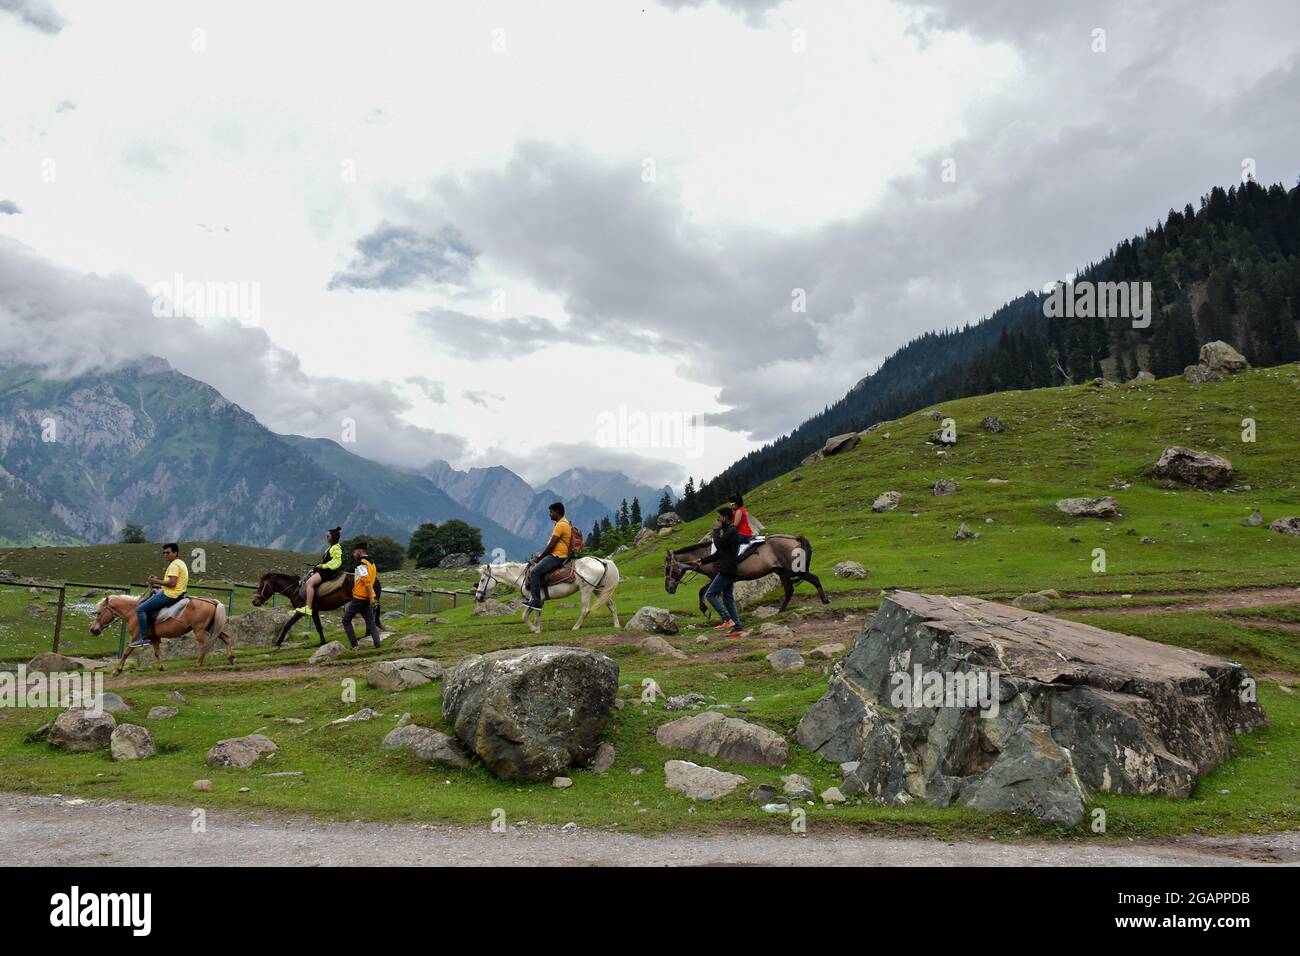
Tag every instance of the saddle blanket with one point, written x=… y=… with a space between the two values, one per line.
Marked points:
x=757 y=539
x=167 y=613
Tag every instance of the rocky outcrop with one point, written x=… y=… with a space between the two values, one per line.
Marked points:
x=714 y=735
x=530 y=713
x=455 y=561
x=1200 y=469
x=963 y=701
x=644 y=536
x=1103 y=507
x=240 y=753
x=653 y=620
x=1201 y=374
x=404 y=674
x=669 y=519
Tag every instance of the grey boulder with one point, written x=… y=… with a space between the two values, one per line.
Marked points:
x=427 y=744
x=239 y=753
x=699 y=782
x=79 y=729
x=531 y=713
x=714 y=735
x=1102 y=507
x=131 y=742
x=653 y=620
x=963 y=701
x=404 y=674
x=1200 y=469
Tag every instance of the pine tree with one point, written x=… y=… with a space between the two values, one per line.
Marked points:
x=665 y=503
x=623 y=519
x=636 y=511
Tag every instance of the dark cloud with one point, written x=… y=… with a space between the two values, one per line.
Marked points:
x=71 y=324
x=9 y=208
x=39 y=14
x=397 y=257
x=1091 y=148
x=469 y=337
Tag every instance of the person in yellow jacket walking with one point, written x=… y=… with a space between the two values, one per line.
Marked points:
x=330 y=567
x=363 y=597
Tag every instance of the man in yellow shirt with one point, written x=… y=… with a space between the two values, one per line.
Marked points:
x=172 y=584
x=552 y=556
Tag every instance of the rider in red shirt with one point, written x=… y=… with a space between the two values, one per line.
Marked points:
x=741 y=520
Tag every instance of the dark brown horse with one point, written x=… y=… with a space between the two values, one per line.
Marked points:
x=290 y=586
x=788 y=556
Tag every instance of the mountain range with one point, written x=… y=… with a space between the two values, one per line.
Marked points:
x=82 y=457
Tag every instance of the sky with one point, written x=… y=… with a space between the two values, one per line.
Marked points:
x=639 y=235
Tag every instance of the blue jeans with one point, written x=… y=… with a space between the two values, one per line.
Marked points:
x=719 y=594
x=154 y=602
x=540 y=570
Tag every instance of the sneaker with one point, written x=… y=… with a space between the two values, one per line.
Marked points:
x=531 y=607
x=725 y=625
x=302 y=610
x=139 y=642
x=738 y=631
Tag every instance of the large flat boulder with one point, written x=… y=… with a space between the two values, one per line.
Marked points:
x=964 y=701
x=714 y=735
x=1200 y=469
x=531 y=713
x=404 y=674
x=1103 y=507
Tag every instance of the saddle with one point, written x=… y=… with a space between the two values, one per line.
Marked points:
x=740 y=552
x=332 y=585
x=564 y=574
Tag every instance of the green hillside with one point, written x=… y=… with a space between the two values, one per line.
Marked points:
x=1075 y=441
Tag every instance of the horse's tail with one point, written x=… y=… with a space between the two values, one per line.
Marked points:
x=807 y=551
x=219 y=621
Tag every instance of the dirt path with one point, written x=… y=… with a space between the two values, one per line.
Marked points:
x=52 y=831
x=1210 y=600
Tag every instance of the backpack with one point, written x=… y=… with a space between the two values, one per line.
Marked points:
x=575 y=540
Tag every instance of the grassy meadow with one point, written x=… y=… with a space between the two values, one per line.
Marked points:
x=1068 y=442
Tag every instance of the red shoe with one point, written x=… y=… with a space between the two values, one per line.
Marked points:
x=724 y=625
x=738 y=632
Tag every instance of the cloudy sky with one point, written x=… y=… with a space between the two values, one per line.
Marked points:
x=548 y=234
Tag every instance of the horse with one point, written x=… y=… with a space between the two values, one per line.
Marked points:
x=203 y=616
x=787 y=555
x=597 y=576
x=290 y=586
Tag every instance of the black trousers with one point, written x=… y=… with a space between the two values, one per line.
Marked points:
x=367 y=612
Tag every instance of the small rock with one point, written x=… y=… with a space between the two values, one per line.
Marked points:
x=797 y=787
x=604 y=759
x=202 y=785
x=658 y=646
x=851 y=570
x=161 y=713
x=698 y=782
x=825 y=652
x=326 y=652
x=786 y=659
x=943 y=488
x=562 y=783
x=654 y=620
x=964 y=533
x=832 y=795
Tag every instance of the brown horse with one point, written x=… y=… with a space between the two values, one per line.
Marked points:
x=290 y=586
x=788 y=556
x=204 y=616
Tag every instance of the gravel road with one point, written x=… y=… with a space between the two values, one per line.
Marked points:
x=48 y=831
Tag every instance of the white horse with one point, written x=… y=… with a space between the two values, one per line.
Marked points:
x=597 y=576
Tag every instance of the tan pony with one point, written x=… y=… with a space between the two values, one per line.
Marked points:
x=204 y=616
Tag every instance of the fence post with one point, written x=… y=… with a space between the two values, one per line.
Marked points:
x=121 y=639
x=405 y=596
x=231 y=605
x=58 y=620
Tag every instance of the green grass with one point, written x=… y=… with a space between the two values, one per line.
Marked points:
x=1058 y=443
